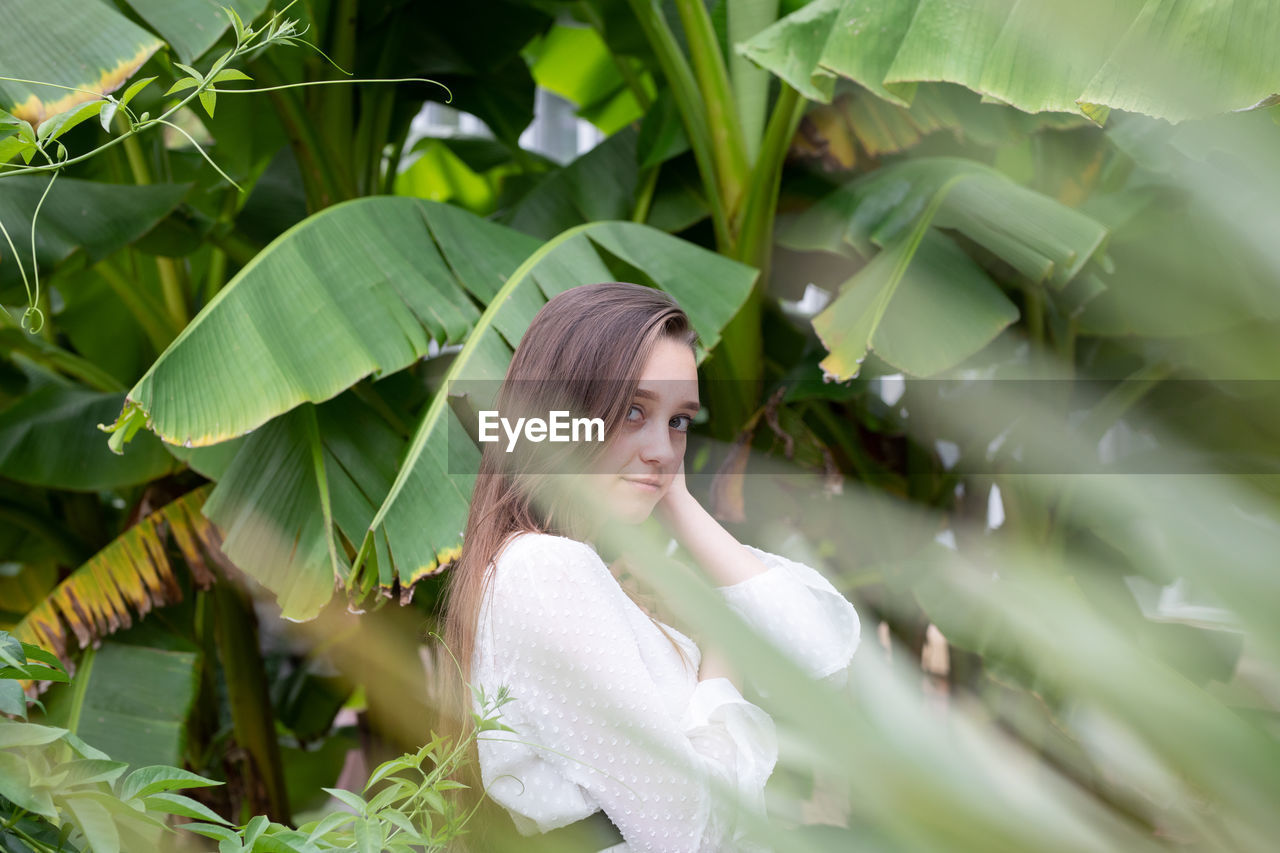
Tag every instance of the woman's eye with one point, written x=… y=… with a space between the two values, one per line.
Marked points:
x=634 y=409
x=683 y=421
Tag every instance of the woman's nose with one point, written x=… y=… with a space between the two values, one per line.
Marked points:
x=657 y=447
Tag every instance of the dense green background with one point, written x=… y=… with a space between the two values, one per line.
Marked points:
x=1079 y=195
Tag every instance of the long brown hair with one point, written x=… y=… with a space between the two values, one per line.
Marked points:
x=583 y=352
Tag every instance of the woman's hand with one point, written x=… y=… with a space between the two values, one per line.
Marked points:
x=676 y=503
x=722 y=557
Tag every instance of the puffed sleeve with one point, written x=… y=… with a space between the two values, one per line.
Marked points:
x=800 y=612
x=572 y=661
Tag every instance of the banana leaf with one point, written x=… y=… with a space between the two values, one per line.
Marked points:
x=128 y=578
x=1164 y=58
x=85 y=49
x=48 y=439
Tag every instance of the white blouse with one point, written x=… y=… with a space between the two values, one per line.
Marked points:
x=606 y=713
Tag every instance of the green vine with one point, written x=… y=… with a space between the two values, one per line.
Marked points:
x=44 y=138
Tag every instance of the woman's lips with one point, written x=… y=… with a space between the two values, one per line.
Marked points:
x=644 y=483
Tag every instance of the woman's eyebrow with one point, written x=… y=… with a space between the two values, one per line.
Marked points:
x=649 y=395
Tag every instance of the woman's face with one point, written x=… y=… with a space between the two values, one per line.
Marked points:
x=637 y=467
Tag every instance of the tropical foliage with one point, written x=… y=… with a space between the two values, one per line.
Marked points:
x=986 y=295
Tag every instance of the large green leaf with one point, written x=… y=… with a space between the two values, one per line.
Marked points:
x=927 y=309
x=922 y=311
x=131 y=701
x=71 y=43
x=1165 y=58
x=1041 y=238
x=192 y=26
x=48 y=439
x=77 y=216
x=361 y=288
x=575 y=63
x=857 y=119
x=854 y=38
x=269 y=505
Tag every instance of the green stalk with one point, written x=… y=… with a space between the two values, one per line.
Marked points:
x=1035 y=313
x=252 y=718
x=238 y=247
x=29 y=840
x=336 y=111
x=393 y=167
x=693 y=110
x=79 y=686
x=644 y=200
x=371 y=136
x=318 y=174
x=727 y=147
x=755 y=237
x=322 y=483
x=202 y=724
x=739 y=355
x=170 y=277
x=750 y=82
x=216 y=275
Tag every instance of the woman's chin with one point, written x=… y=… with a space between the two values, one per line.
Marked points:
x=632 y=511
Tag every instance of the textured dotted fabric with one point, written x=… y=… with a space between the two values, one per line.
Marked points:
x=608 y=715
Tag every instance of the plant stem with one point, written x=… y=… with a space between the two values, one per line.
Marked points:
x=644 y=200
x=336 y=112
x=375 y=124
x=322 y=483
x=727 y=147
x=79 y=687
x=393 y=167
x=170 y=279
x=236 y=634
x=238 y=247
x=318 y=173
x=693 y=110
x=38 y=846
x=1034 y=301
x=750 y=83
x=216 y=275
x=755 y=235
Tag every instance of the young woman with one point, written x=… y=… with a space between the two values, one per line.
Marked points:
x=625 y=731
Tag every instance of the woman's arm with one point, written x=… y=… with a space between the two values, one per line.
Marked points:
x=570 y=658
x=715 y=549
x=787 y=602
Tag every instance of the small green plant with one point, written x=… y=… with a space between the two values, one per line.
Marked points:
x=58 y=793
x=411 y=813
